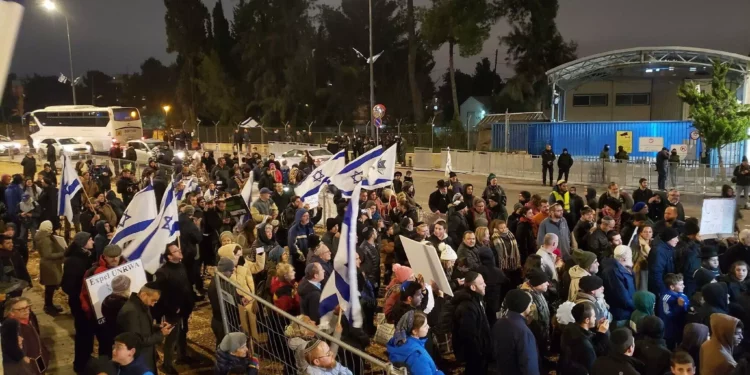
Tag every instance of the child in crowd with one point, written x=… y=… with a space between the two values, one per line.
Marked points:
x=682 y=364
x=673 y=308
x=710 y=260
x=736 y=280
x=644 y=306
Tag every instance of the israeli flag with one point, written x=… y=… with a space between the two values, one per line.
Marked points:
x=308 y=189
x=150 y=246
x=69 y=186
x=190 y=186
x=62 y=78
x=355 y=172
x=247 y=196
x=249 y=123
x=382 y=170
x=138 y=216
x=11 y=15
x=341 y=288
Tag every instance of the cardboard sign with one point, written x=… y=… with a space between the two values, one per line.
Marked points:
x=717 y=217
x=236 y=206
x=424 y=261
x=625 y=139
x=100 y=285
x=649 y=144
x=682 y=150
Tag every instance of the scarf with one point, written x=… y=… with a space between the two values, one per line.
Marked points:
x=510 y=257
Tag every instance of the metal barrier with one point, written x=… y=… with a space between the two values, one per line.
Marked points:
x=422 y=159
x=276 y=336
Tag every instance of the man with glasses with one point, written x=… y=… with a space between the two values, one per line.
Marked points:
x=673 y=200
x=18 y=317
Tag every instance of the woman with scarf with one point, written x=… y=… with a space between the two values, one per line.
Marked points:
x=641 y=246
x=52 y=257
x=508 y=256
x=32 y=189
x=407 y=345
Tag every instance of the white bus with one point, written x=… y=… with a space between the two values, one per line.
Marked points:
x=96 y=127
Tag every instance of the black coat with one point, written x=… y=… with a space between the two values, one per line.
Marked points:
x=615 y=363
x=309 y=300
x=525 y=238
x=51 y=155
x=29 y=167
x=107 y=330
x=457 y=225
x=136 y=317
x=190 y=237
x=548 y=157
x=565 y=161
x=653 y=353
x=77 y=262
x=514 y=346
x=176 y=292
x=471 y=330
x=438 y=202
x=579 y=348
x=597 y=243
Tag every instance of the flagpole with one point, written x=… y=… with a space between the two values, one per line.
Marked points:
x=70 y=59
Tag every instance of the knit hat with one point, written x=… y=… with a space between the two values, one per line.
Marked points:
x=402 y=273
x=46 y=226
x=120 y=284
x=313 y=241
x=189 y=210
x=275 y=254
x=589 y=284
x=225 y=265
x=703 y=277
x=668 y=234
x=226 y=233
x=490 y=176
x=460 y=206
x=517 y=301
x=448 y=254
x=622 y=250
x=112 y=251
x=233 y=341
x=638 y=206
x=621 y=340
x=330 y=223
x=537 y=277
x=691 y=228
x=584 y=259
x=81 y=238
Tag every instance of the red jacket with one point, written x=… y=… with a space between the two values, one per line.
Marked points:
x=100 y=267
x=285 y=296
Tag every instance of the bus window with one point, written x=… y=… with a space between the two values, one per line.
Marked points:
x=125 y=114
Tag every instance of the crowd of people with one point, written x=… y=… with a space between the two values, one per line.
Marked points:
x=579 y=284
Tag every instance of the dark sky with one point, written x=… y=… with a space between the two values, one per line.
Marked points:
x=116 y=36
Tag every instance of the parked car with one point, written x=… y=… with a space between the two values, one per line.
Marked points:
x=69 y=146
x=146 y=149
x=295 y=156
x=8 y=146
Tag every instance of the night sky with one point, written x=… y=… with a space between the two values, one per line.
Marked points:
x=116 y=36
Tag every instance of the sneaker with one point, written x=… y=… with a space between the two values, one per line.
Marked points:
x=51 y=310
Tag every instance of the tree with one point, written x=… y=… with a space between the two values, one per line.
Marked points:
x=223 y=42
x=462 y=23
x=534 y=46
x=416 y=97
x=449 y=93
x=485 y=81
x=214 y=85
x=717 y=115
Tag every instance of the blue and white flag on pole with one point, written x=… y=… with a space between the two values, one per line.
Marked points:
x=190 y=185
x=138 y=216
x=308 y=189
x=165 y=229
x=355 y=172
x=247 y=196
x=382 y=170
x=341 y=288
x=69 y=186
x=11 y=15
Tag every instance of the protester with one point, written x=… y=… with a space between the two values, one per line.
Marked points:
x=126 y=352
x=619 y=284
x=580 y=345
x=52 y=257
x=472 y=343
x=514 y=345
x=651 y=349
x=78 y=259
x=135 y=316
x=716 y=353
x=26 y=353
x=693 y=337
x=620 y=359
x=232 y=354
x=407 y=344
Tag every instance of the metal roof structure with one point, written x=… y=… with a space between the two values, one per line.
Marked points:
x=497 y=118
x=609 y=63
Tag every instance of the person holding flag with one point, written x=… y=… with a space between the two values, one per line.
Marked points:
x=355 y=172
x=70 y=185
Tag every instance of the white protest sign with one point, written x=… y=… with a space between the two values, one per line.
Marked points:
x=424 y=261
x=648 y=144
x=682 y=150
x=100 y=285
x=717 y=217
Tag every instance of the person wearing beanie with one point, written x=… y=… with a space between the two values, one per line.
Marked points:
x=592 y=291
x=661 y=261
x=586 y=265
x=457 y=222
x=539 y=316
x=331 y=236
x=688 y=253
x=620 y=358
x=232 y=353
x=78 y=260
x=401 y=274
x=225 y=266
x=651 y=348
x=408 y=345
x=583 y=341
x=111 y=257
x=619 y=282
x=51 y=255
x=514 y=345
x=125 y=353
x=111 y=306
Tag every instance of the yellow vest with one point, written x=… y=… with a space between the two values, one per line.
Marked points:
x=565 y=198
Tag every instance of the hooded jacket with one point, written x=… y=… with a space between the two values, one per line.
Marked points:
x=579 y=349
x=715 y=301
x=694 y=335
x=643 y=302
x=100 y=240
x=619 y=282
x=413 y=354
x=575 y=273
x=243 y=274
x=652 y=349
x=77 y=261
x=565 y=161
x=514 y=346
x=716 y=353
x=297 y=237
x=52 y=257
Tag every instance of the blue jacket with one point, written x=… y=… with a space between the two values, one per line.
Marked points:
x=413 y=354
x=687 y=262
x=660 y=263
x=13 y=195
x=297 y=237
x=225 y=362
x=137 y=367
x=515 y=346
x=672 y=313
x=619 y=286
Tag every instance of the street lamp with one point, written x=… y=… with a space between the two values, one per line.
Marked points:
x=432 y=140
x=166 y=109
x=50 y=6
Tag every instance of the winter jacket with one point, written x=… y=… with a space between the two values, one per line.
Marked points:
x=579 y=348
x=644 y=306
x=743 y=179
x=471 y=330
x=190 y=237
x=471 y=254
x=107 y=330
x=617 y=363
x=243 y=275
x=662 y=162
x=285 y=296
x=597 y=243
x=29 y=166
x=13 y=195
x=297 y=237
x=600 y=305
x=525 y=238
x=715 y=301
x=565 y=161
x=52 y=257
x=660 y=263
x=652 y=349
x=457 y=225
x=77 y=262
x=310 y=299
x=687 y=261
x=716 y=353
x=439 y=202
x=100 y=240
x=136 y=317
x=738 y=251
x=412 y=354
x=225 y=362
x=370 y=257
x=561 y=229
x=548 y=156
x=176 y=292
x=694 y=335
x=514 y=346
x=619 y=284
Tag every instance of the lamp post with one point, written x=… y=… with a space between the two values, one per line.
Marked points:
x=432 y=138
x=51 y=6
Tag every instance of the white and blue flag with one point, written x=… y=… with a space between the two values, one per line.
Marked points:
x=165 y=229
x=382 y=170
x=341 y=288
x=308 y=189
x=355 y=172
x=11 y=15
x=69 y=186
x=247 y=196
x=190 y=185
x=138 y=216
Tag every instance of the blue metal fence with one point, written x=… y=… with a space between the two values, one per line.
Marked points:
x=588 y=138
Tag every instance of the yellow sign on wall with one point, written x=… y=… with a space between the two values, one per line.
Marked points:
x=625 y=139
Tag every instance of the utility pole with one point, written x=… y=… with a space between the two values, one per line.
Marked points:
x=372 y=77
